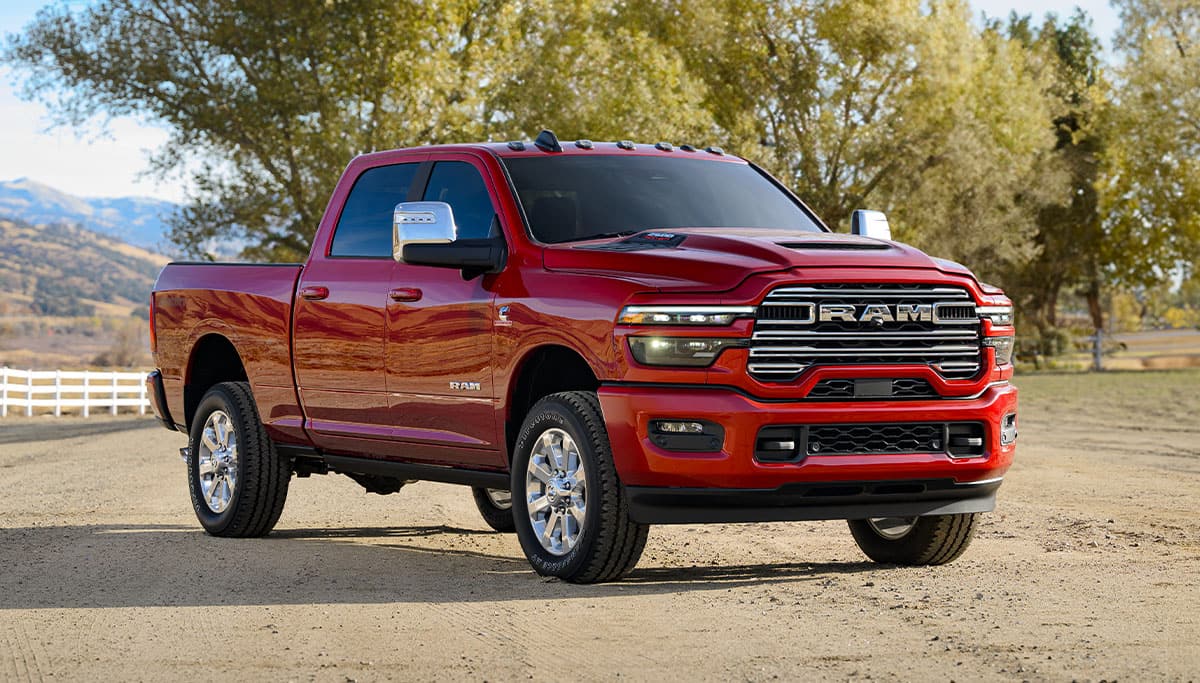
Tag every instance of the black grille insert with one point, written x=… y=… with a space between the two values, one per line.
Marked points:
x=845 y=390
x=794 y=443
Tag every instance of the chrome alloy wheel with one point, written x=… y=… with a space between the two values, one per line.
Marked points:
x=892 y=528
x=217 y=461
x=501 y=499
x=556 y=491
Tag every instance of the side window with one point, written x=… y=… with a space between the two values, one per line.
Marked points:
x=365 y=226
x=458 y=184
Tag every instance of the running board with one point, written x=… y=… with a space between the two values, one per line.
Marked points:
x=419 y=472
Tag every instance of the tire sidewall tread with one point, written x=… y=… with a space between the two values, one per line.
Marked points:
x=263 y=476
x=934 y=540
x=611 y=543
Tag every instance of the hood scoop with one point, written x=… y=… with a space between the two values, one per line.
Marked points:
x=836 y=246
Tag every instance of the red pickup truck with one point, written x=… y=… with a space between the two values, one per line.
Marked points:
x=596 y=337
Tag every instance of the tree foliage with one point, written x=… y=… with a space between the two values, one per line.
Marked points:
x=1069 y=243
x=893 y=104
x=267 y=101
x=1008 y=147
x=1150 y=192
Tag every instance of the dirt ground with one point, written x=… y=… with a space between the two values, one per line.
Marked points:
x=1088 y=570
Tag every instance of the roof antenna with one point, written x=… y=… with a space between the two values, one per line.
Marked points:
x=548 y=141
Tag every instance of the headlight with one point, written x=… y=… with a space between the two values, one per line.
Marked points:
x=679 y=351
x=682 y=315
x=999 y=315
x=1003 y=346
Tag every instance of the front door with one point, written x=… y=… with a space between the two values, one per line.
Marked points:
x=439 y=349
x=340 y=323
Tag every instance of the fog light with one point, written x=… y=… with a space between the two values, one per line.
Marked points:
x=1008 y=429
x=687 y=435
x=680 y=427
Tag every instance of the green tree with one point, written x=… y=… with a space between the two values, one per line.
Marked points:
x=598 y=73
x=267 y=101
x=1069 y=241
x=901 y=105
x=1150 y=188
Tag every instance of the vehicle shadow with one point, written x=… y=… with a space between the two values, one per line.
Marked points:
x=177 y=565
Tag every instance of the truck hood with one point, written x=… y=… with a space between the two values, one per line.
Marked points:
x=712 y=260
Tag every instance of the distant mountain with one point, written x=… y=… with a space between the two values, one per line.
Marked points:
x=60 y=269
x=140 y=221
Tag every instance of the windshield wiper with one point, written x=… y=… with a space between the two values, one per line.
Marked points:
x=603 y=235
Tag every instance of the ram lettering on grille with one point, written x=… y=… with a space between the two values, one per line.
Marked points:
x=799 y=326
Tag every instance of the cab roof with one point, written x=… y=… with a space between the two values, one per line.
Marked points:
x=547 y=144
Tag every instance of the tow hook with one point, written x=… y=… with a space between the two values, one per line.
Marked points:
x=185 y=453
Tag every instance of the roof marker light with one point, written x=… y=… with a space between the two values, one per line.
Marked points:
x=548 y=141
x=517 y=146
x=583 y=144
x=625 y=144
x=664 y=146
x=687 y=148
x=715 y=150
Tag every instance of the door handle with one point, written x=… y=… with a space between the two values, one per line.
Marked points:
x=405 y=294
x=314 y=293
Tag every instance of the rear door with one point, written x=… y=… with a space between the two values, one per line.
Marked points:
x=340 y=326
x=439 y=351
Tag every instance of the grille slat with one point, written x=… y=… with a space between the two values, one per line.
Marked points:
x=789 y=337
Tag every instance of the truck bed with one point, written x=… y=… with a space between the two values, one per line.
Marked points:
x=251 y=306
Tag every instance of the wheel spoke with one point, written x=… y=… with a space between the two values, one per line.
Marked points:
x=206 y=465
x=576 y=513
x=209 y=439
x=539 y=472
x=538 y=504
x=556 y=453
x=213 y=494
x=548 y=532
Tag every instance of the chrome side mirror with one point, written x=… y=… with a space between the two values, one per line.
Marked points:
x=870 y=224
x=421 y=223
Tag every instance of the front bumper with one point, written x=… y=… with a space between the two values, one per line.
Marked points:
x=822 y=500
x=732 y=478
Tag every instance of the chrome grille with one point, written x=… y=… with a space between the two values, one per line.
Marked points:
x=789 y=337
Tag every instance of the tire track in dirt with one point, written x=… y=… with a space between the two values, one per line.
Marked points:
x=22 y=657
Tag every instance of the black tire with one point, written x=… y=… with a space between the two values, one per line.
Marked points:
x=609 y=544
x=499 y=518
x=936 y=539
x=262 y=475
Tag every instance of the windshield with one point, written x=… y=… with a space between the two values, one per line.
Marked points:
x=569 y=198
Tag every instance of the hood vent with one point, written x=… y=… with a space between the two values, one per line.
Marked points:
x=838 y=246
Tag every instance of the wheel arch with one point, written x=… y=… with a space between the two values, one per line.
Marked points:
x=213 y=359
x=543 y=370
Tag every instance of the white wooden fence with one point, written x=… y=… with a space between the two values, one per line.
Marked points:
x=55 y=389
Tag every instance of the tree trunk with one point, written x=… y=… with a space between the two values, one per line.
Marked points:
x=1096 y=310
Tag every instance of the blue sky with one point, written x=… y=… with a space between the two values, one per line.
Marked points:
x=109 y=163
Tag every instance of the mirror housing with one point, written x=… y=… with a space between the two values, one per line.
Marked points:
x=870 y=224
x=425 y=234
x=421 y=223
